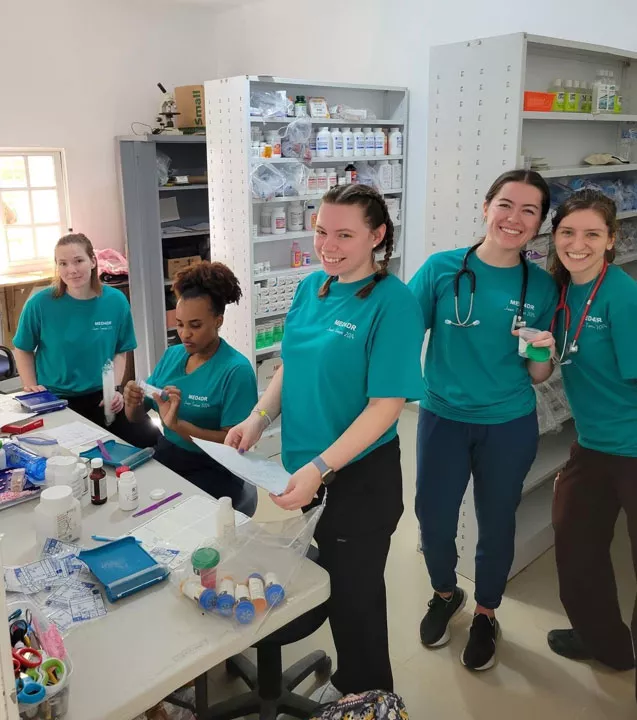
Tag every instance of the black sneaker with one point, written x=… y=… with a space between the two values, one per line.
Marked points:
x=434 y=630
x=479 y=654
x=568 y=644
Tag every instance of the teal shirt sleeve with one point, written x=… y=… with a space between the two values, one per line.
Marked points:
x=394 y=369
x=126 y=339
x=240 y=396
x=622 y=314
x=423 y=287
x=27 y=336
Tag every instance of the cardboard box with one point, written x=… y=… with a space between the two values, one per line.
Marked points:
x=173 y=265
x=191 y=106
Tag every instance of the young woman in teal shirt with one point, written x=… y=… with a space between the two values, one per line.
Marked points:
x=66 y=333
x=351 y=357
x=598 y=352
x=209 y=386
x=478 y=417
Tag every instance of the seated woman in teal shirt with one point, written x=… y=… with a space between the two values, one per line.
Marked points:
x=598 y=352
x=66 y=333
x=209 y=386
x=478 y=417
x=351 y=356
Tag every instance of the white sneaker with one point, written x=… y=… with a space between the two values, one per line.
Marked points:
x=326 y=694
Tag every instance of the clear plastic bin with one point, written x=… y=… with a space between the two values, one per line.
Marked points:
x=56 y=702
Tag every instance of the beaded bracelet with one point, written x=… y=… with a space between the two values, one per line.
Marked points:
x=263 y=414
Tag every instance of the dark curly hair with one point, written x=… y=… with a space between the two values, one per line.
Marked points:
x=213 y=280
x=375 y=212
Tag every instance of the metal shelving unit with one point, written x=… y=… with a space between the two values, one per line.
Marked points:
x=477 y=129
x=147 y=238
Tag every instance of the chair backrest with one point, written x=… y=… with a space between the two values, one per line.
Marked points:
x=372 y=705
x=8 y=368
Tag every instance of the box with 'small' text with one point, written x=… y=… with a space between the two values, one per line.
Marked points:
x=190 y=105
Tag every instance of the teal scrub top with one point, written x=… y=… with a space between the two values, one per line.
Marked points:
x=474 y=374
x=220 y=393
x=73 y=339
x=340 y=351
x=601 y=379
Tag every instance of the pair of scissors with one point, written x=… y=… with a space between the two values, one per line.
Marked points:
x=25 y=659
x=28 y=691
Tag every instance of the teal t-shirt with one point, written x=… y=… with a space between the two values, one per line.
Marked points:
x=220 y=393
x=601 y=379
x=72 y=339
x=474 y=374
x=340 y=351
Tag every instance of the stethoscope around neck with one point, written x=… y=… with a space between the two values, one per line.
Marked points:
x=518 y=321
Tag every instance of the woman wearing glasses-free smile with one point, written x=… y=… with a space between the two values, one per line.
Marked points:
x=596 y=338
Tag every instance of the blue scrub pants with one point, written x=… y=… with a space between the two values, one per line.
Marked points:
x=499 y=458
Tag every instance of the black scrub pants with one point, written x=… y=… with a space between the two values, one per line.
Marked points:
x=364 y=504
x=589 y=494
x=88 y=406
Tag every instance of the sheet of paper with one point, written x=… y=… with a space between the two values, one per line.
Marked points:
x=251 y=467
x=168 y=210
x=87 y=608
x=8 y=416
x=37 y=576
x=77 y=434
x=59 y=548
x=63 y=595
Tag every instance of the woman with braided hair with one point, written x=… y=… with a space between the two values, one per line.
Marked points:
x=351 y=358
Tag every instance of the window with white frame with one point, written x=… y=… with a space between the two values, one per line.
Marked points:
x=33 y=206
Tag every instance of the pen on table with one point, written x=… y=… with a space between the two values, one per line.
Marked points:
x=105 y=454
x=156 y=505
x=103 y=538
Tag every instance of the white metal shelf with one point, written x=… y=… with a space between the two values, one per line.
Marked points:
x=195 y=186
x=327 y=121
x=626 y=214
x=335 y=160
x=292 y=235
x=303 y=198
x=626 y=258
x=291 y=272
x=586 y=117
x=184 y=233
x=273 y=314
x=588 y=170
x=552 y=453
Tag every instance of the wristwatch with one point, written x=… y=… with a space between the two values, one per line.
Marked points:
x=327 y=474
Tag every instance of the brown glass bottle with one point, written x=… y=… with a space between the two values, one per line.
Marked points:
x=97 y=482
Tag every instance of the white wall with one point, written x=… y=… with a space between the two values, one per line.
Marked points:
x=76 y=73
x=388 y=41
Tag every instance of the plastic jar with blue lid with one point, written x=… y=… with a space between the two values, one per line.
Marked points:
x=244 y=609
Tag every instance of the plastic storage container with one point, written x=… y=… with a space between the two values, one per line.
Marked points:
x=59 y=515
x=56 y=701
x=526 y=336
x=17 y=457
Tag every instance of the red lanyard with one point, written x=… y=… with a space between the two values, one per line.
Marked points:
x=563 y=305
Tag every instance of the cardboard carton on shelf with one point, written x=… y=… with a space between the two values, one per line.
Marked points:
x=191 y=106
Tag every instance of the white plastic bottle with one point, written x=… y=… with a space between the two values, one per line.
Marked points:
x=348 y=142
x=311 y=183
x=225 y=520
x=310 y=216
x=395 y=142
x=3 y=457
x=370 y=142
x=379 y=142
x=278 y=221
x=337 y=142
x=265 y=224
x=323 y=142
x=58 y=516
x=128 y=492
x=332 y=178
x=295 y=217
x=359 y=142
x=321 y=180
x=600 y=93
x=396 y=174
x=612 y=91
x=385 y=175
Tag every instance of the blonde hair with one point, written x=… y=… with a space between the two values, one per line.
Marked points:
x=81 y=240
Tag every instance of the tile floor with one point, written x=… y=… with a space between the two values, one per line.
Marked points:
x=529 y=682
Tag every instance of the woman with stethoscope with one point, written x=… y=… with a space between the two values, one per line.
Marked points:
x=478 y=417
x=597 y=346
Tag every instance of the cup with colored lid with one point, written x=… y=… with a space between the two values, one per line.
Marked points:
x=528 y=335
x=204 y=563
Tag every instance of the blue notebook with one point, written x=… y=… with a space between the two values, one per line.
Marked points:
x=41 y=402
x=121 y=454
x=123 y=567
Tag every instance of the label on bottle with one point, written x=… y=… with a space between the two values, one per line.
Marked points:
x=338 y=142
x=226 y=587
x=98 y=487
x=312 y=183
x=66 y=526
x=322 y=145
x=279 y=222
x=255 y=586
x=348 y=143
